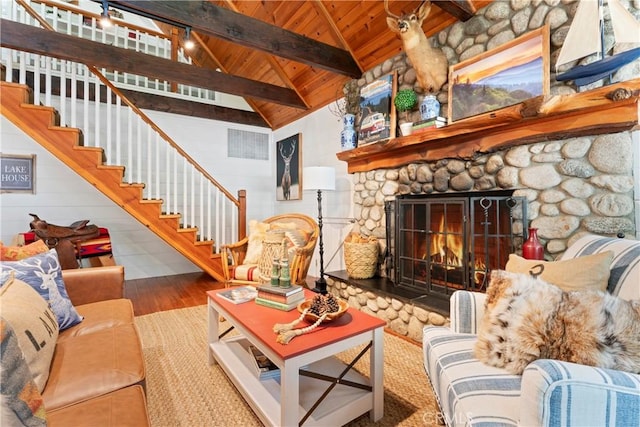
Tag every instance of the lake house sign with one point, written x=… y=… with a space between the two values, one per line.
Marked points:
x=17 y=173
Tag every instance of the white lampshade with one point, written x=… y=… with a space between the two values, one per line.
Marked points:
x=319 y=178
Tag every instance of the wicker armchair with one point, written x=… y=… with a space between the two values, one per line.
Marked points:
x=299 y=265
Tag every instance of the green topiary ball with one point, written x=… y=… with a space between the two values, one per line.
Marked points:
x=405 y=100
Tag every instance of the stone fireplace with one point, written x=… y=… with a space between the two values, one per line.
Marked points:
x=440 y=243
x=568 y=155
x=571 y=186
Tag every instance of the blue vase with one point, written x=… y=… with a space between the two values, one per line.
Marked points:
x=429 y=108
x=348 y=134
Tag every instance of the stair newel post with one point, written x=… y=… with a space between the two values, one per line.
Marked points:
x=242 y=214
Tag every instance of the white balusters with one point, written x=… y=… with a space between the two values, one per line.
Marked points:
x=125 y=134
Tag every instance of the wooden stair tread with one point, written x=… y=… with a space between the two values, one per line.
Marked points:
x=39 y=123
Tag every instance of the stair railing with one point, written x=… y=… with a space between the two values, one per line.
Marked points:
x=71 y=20
x=130 y=138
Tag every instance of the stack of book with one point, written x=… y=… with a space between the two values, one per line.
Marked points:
x=262 y=365
x=281 y=298
x=426 y=125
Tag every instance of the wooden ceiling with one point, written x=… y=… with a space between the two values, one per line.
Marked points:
x=353 y=37
x=285 y=58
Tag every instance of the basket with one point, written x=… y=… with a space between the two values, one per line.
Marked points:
x=271 y=248
x=361 y=258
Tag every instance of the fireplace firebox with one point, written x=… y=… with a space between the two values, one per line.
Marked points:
x=441 y=243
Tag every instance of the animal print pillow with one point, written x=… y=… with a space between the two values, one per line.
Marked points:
x=527 y=319
x=589 y=272
x=42 y=272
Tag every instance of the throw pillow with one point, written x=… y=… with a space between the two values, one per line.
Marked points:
x=257 y=233
x=295 y=239
x=16 y=253
x=34 y=324
x=581 y=273
x=22 y=403
x=527 y=318
x=42 y=272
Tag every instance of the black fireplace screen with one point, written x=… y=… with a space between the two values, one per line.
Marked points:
x=446 y=242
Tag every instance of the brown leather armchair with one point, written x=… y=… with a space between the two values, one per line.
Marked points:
x=234 y=261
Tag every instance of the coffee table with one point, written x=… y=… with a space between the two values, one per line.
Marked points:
x=314 y=388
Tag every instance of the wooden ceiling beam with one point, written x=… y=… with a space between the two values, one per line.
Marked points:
x=36 y=40
x=463 y=10
x=210 y=19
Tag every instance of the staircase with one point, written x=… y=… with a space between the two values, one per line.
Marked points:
x=66 y=143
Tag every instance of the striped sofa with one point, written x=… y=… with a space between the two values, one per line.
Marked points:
x=550 y=392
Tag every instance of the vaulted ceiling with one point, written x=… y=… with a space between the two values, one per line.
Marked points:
x=285 y=58
x=310 y=48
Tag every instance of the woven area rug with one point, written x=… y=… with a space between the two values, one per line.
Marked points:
x=184 y=390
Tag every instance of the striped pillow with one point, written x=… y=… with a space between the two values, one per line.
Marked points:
x=247 y=272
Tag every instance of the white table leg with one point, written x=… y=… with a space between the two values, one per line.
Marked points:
x=213 y=318
x=289 y=395
x=376 y=373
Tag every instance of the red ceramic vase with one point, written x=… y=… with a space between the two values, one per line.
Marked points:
x=532 y=248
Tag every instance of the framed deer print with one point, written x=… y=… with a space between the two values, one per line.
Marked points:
x=507 y=75
x=288 y=168
x=377 y=115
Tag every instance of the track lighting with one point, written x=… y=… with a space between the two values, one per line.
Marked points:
x=105 y=20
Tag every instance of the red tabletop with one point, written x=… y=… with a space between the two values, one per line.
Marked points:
x=260 y=320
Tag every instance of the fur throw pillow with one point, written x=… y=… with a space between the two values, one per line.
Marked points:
x=527 y=319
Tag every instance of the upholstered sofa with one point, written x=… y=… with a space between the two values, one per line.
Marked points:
x=550 y=392
x=243 y=259
x=96 y=374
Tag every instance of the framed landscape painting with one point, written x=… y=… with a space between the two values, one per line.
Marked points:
x=504 y=76
x=377 y=115
x=288 y=167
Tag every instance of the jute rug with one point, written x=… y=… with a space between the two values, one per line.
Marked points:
x=184 y=390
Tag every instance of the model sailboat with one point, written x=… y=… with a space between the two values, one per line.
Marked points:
x=586 y=37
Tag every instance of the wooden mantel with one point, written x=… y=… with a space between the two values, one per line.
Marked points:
x=608 y=109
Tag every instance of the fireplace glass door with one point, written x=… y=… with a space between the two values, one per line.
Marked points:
x=448 y=243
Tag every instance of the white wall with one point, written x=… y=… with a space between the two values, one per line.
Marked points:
x=320 y=143
x=62 y=196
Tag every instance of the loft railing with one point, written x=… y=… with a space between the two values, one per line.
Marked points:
x=67 y=19
x=129 y=138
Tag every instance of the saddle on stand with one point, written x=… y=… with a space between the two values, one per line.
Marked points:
x=65 y=239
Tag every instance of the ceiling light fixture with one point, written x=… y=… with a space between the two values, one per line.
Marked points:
x=105 y=19
x=188 y=43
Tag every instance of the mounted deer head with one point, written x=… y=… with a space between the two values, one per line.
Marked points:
x=431 y=64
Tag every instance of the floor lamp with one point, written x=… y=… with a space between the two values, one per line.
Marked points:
x=319 y=178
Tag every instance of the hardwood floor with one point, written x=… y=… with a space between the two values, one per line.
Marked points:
x=169 y=292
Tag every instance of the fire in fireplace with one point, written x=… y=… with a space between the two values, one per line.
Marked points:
x=440 y=243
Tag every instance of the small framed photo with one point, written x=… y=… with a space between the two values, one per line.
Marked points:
x=377 y=114
x=288 y=168
x=18 y=173
x=504 y=76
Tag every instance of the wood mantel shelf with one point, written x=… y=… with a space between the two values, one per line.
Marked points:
x=609 y=109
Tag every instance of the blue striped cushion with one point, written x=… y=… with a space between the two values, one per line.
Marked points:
x=624 y=280
x=466 y=310
x=469 y=392
x=561 y=394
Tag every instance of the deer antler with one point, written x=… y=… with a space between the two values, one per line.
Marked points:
x=287 y=157
x=55 y=265
x=386 y=9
